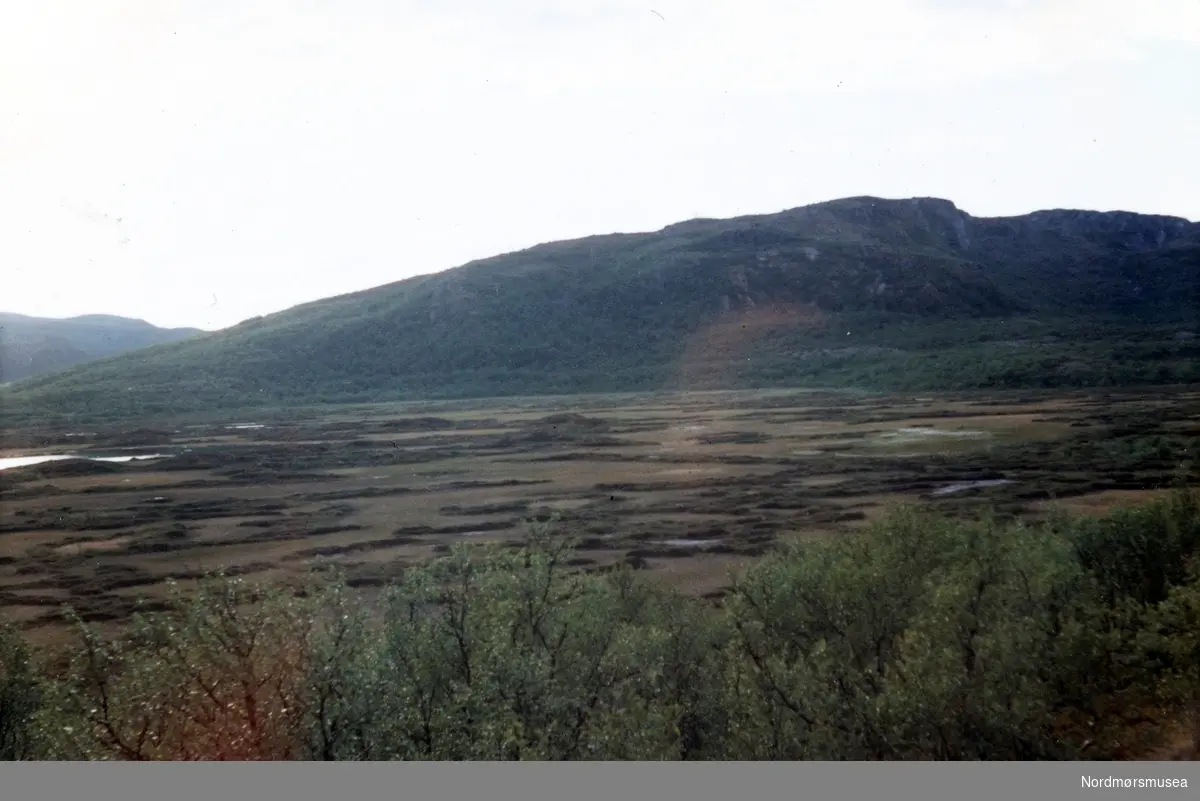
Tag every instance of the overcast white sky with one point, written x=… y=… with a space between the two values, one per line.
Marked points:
x=197 y=162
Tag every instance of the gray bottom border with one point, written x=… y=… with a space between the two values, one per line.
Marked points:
x=720 y=781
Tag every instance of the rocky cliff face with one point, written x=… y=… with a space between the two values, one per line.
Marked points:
x=1134 y=231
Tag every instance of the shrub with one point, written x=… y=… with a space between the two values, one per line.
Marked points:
x=496 y=654
x=220 y=675
x=19 y=695
x=1141 y=552
x=920 y=637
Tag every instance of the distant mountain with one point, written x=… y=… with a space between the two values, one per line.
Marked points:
x=861 y=291
x=33 y=345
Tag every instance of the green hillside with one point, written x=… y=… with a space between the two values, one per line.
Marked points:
x=35 y=345
x=856 y=292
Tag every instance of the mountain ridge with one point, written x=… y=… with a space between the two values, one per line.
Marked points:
x=31 y=345
x=924 y=292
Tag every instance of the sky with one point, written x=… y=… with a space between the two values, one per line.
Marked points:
x=199 y=162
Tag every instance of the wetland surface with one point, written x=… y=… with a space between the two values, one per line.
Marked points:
x=688 y=486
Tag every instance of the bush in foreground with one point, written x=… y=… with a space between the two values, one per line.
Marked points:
x=919 y=638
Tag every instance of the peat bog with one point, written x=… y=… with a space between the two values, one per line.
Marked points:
x=686 y=486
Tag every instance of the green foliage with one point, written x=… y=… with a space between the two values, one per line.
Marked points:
x=20 y=693
x=507 y=655
x=221 y=675
x=1142 y=552
x=1174 y=632
x=920 y=637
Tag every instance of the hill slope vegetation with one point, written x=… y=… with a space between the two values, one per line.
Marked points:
x=861 y=292
x=34 y=345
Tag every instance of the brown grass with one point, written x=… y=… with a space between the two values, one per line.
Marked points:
x=662 y=481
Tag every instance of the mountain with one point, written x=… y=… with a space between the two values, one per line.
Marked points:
x=861 y=291
x=33 y=345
